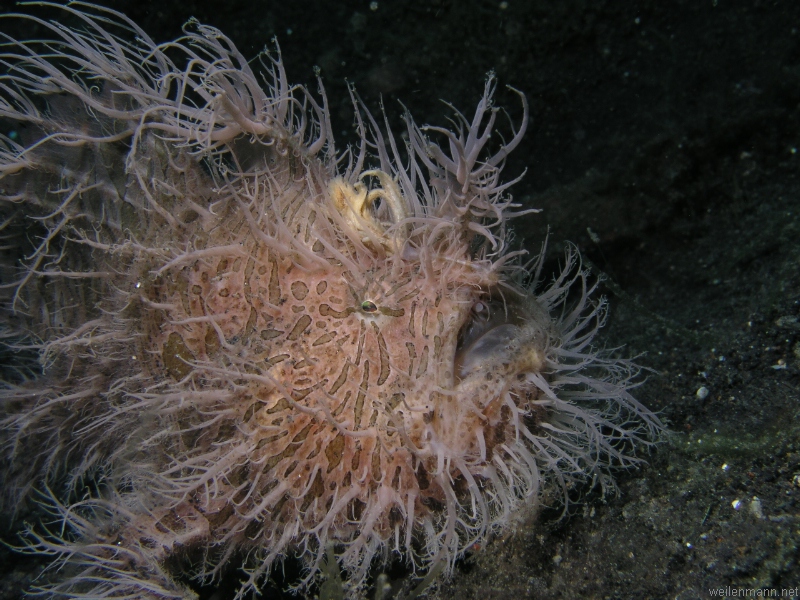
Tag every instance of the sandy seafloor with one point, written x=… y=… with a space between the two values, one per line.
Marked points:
x=670 y=130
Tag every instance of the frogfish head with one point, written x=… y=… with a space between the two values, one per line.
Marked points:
x=387 y=361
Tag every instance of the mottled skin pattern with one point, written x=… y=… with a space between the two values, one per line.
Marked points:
x=248 y=345
x=318 y=357
x=347 y=381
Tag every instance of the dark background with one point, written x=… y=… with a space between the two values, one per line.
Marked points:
x=663 y=140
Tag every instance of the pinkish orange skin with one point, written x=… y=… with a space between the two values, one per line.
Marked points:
x=346 y=411
x=248 y=350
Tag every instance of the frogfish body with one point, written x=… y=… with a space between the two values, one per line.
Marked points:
x=244 y=345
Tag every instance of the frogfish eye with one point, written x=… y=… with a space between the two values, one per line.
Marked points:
x=368 y=306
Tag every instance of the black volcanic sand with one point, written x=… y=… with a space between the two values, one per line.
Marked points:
x=664 y=142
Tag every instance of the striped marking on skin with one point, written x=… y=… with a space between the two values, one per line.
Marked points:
x=274 y=286
x=292 y=447
x=316 y=491
x=393 y=290
x=356 y=461
x=408 y=296
x=312 y=216
x=422 y=367
x=340 y=409
x=362 y=334
x=358 y=409
x=383 y=353
x=334 y=452
x=412 y=354
x=327 y=311
x=274 y=360
x=341 y=380
x=323 y=339
x=376 y=464
x=299 y=394
x=299 y=327
x=250 y=327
